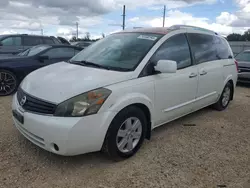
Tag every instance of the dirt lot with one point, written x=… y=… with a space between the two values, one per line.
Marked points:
x=214 y=153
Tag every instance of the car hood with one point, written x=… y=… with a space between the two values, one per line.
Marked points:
x=244 y=64
x=59 y=82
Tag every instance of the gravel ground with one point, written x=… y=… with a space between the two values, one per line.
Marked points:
x=214 y=153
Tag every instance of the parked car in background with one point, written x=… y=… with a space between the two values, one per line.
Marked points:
x=243 y=59
x=14 y=44
x=14 y=68
x=112 y=94
x=82 y=44
x=63 y=40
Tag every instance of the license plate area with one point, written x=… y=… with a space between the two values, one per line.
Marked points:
x=18 y=116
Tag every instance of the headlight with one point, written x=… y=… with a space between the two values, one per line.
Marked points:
x=82 y=105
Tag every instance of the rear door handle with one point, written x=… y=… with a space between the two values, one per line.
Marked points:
x=203 y=73
x=192 y=75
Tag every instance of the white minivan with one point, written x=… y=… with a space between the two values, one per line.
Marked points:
x=112 y=94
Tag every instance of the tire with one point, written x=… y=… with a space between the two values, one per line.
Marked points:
x=119 y=124
x=8 y=83
x=225 y=98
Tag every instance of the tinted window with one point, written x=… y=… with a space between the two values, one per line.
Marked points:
x=60 y=53
x=48 y=41
x=34 y=50
x=11 y=41
x=245 y=56
x=176 y=48
x=31 y=41
x=223 y=51
x=203 y=47
x=77 y=51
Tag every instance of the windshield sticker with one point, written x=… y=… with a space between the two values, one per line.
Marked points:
x=147 y=37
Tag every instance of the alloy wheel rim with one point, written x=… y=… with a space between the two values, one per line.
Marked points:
x=129 y=134
x=226 y=96
x=7 y=83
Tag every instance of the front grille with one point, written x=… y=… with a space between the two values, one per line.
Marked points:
x=244 y=69
x=35 y=105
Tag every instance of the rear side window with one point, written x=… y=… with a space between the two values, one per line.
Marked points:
x=175 y=48
x=60 y=53
x=223 y=51
x=48 y=41
x=11 y=41
x=31 y=41
x=202 y=47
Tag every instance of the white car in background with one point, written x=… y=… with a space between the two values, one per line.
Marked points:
x=110 y=96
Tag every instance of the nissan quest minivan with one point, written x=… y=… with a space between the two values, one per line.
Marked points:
x=112 y=94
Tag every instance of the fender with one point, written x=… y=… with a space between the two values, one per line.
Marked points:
x=129 y=99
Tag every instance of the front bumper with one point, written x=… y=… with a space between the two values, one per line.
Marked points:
x=244 y=77
x=73 y=136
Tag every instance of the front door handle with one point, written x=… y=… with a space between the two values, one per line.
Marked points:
x=192 y=75
x=203 y=73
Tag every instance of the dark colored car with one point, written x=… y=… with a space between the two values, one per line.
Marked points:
x=14 y=44
x=63 y=40
x=14 y=68
x=243 y=59
x=83 y=44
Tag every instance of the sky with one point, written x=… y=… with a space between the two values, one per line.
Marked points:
x=59 y=17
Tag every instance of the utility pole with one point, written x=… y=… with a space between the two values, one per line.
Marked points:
x=42 y=31
x=123 y=16
x=77 y=30
x=164 y=15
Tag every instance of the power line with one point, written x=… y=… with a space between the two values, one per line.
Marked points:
x=164 y=15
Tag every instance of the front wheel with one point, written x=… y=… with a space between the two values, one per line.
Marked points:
x=126 y=133
x=225 y=97
x=8 y=83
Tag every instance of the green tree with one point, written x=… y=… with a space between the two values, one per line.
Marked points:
x=234 y=37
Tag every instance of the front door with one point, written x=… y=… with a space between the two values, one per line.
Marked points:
x=175 y=92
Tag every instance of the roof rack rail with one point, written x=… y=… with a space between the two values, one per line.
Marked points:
x=191 y=27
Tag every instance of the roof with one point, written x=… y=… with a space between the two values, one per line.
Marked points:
x=157 y=30
x=7 y=35
x=165 y=30
x=59 y=45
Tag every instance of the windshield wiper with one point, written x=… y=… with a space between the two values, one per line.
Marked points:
x=89 y=64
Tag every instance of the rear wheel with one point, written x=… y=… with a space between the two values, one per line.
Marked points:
x=126 y=133
x=8 y=83
x=225 y=98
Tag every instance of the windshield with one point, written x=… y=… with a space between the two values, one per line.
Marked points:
x=245 y=56
x=34 y=50
x=121 y=51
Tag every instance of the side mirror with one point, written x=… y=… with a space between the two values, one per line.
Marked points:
x=43 y=57
x=166 y=66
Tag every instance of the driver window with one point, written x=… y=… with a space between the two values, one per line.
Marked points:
x=175 y=48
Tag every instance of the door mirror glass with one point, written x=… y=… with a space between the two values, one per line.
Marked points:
x=166 y=66
x=43 y=57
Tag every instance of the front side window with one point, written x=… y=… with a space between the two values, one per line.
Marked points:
x=203 y=47
x=244 y=56
x=11 y=41
x=176 y=49
x=121 y=51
